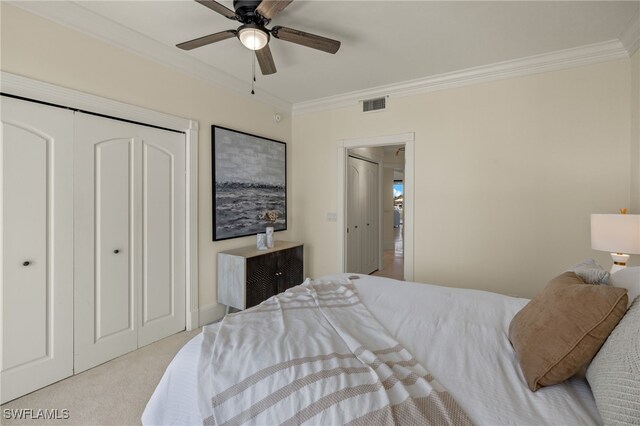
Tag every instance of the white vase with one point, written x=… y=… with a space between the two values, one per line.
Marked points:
x=270 y=236
x=261 y=241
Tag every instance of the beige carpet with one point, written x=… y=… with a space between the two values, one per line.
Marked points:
x=114 y=393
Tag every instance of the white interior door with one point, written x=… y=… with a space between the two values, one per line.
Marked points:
x=354 y=217
x=36 y=152
x=105 y=252
x=130 y=237
x=362 y=216
x=162 y=298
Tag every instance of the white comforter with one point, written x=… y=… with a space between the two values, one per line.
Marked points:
x=315 y=355
x=460 y=336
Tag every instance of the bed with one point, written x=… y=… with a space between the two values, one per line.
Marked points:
x=458 y=335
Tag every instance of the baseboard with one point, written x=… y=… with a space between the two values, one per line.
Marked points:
x=211 y=313
x=389 y=245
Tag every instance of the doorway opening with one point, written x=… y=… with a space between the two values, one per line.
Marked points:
x=391 y=214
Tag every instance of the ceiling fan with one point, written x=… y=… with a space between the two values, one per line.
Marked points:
x=255 y=15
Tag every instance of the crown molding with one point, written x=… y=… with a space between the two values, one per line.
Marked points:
x=630 y=37
x=553 y=61
x=73 y=15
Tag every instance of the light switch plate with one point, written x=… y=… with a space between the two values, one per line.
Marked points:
x=332 y=217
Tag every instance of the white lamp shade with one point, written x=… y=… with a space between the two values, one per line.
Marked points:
x=253 y=38
x=616 y=233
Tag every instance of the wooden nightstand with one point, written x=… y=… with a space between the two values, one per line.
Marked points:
x=248 y=276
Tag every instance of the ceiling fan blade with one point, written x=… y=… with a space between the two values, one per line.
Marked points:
x=270 y=8
x=208 y=39
x=306 y=39
x=265 y=59
x=217 y=7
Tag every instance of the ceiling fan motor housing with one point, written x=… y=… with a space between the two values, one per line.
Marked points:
x=246 y=11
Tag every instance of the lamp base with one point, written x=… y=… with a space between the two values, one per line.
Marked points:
x=619 y=262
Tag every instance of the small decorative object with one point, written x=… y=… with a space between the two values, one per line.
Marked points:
x=268 y=215
x=261 y=241
x=270 y=236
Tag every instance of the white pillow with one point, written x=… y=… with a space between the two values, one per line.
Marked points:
x=590 y=272
x=614 y=374
x=628 y=278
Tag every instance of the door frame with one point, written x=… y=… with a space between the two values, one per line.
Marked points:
x=35 y=90
x=344 y=145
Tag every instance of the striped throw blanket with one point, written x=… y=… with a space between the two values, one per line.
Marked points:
x=315 y=355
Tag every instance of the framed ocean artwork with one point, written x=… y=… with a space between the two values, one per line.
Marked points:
x=249 y=183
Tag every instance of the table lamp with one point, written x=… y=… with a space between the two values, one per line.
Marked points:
x=619 y=234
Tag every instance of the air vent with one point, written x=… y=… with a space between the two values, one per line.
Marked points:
x=375 y=104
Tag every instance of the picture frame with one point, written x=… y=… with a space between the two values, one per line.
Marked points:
x=249 y=183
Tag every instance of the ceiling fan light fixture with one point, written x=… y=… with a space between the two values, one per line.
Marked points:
x=253 y=37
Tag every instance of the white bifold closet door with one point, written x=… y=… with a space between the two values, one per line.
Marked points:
x=363 y=247
x=354 y=217
x=36 y=152
x=129 y=237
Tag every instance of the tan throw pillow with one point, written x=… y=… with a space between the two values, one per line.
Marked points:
x=561 y=329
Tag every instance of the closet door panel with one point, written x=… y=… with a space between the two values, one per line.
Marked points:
x=163 y=236
x=354 y=216
x=105 y=253
x=157 y=216
x=36 y=150
x=26 y=240
x=113 y=286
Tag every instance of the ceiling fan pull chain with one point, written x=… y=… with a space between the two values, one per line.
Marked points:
x=253 y=71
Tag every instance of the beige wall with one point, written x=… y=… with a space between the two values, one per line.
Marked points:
x=42 y=50
x=507 y=174
x=635 y=132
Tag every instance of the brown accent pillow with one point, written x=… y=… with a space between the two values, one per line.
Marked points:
x=561 y=329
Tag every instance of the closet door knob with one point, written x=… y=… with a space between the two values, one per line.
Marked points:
x=116 y=251
x=26 y=263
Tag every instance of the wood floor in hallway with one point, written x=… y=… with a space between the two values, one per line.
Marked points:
x=393 y=260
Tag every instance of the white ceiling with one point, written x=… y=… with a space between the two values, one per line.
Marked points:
x=383 y=42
